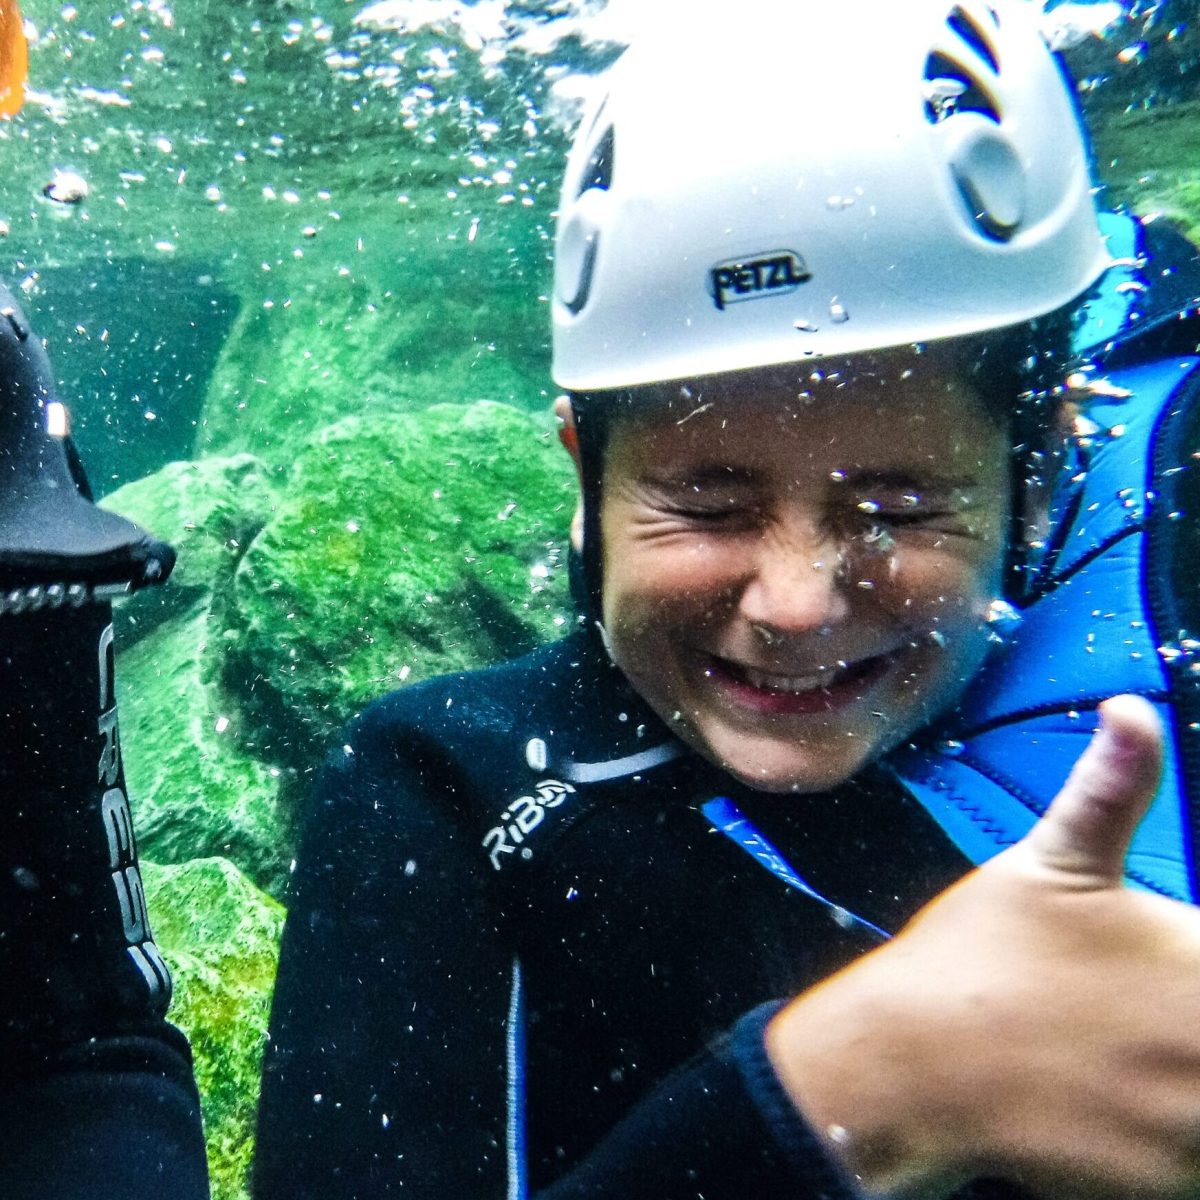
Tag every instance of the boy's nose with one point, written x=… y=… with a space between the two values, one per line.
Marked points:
x=797 y=584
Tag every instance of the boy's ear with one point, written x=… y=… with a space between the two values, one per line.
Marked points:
x=568 y=435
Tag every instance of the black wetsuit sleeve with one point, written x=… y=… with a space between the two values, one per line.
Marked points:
x=720 y=1128
x=97 y=1098
x=386 y=1072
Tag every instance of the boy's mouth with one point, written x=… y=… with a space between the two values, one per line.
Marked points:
x=823 y=690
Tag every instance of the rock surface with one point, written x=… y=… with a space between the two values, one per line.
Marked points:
x=405 y=546
x=197 y=788
x=219 y=935
x=209 y=510
x=399 y=545
x=407 y=333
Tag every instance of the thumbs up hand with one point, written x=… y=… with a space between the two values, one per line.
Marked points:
x=1038 y=1021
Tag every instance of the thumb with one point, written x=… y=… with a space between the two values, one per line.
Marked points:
x=1086 y=831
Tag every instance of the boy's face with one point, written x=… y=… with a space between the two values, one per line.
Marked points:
x=797 y=572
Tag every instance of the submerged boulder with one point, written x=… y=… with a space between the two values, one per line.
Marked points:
x=417 y=328
x=209 y=510
x=220 y=936
x=196 y=787
x=406 y=545
x=1151 y=161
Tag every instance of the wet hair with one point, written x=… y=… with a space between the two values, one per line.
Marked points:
x=1019 y=373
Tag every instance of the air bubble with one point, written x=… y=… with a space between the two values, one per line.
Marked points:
x=943 y=94
x=1003 y=619
x=66 y=187
x=879 y=540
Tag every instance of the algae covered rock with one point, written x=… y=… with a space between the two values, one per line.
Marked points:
x=406 y=545
x=196 y=788
x=220 y=936
x=399 y=333
x=1151 y=161
x=209 y=510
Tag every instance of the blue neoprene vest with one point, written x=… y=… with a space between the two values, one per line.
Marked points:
x=1106 y=614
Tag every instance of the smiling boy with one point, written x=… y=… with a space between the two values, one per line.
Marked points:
x=595 y=923
x=797 y=582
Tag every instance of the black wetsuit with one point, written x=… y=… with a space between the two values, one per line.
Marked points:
x=515 y=937
x=97 y=1099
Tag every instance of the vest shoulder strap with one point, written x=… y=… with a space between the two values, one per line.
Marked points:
x=1114 y=609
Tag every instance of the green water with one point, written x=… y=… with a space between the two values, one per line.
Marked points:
x=249 y=162
x=302 y=239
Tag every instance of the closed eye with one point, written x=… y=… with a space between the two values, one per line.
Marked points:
x=709 y=514
x=910 y=516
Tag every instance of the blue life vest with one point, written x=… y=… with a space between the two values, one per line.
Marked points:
x=1107 y=613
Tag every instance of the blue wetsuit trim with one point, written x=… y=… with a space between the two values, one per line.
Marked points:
x=725 y=817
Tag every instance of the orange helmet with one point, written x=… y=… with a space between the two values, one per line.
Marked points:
x=14 y=58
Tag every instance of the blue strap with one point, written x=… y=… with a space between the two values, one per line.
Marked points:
x=725 y=817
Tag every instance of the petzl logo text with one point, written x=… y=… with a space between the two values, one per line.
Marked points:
x=775 y=273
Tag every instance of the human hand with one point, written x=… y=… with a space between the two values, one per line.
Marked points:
x=1037 y=1021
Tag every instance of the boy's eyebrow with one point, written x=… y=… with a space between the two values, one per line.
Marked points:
x=923 y=481
x=703 y=475
x=729 y=475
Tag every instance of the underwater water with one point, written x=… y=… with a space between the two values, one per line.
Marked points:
x=292 y=262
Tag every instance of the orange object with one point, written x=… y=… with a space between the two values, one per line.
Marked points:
x=14 y=58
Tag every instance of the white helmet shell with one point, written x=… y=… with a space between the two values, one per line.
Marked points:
x=798 y=179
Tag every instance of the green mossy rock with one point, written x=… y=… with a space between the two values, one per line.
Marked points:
x=209 y=511
x=220 y=936
x=196 y=788
x=406 y=545
x=1151 y=158
x=396 y=336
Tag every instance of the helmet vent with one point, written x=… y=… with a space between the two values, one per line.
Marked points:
x=598 y=171
x=970 y=32
x=951 y=87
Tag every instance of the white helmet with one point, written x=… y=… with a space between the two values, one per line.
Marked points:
x=796 y=178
